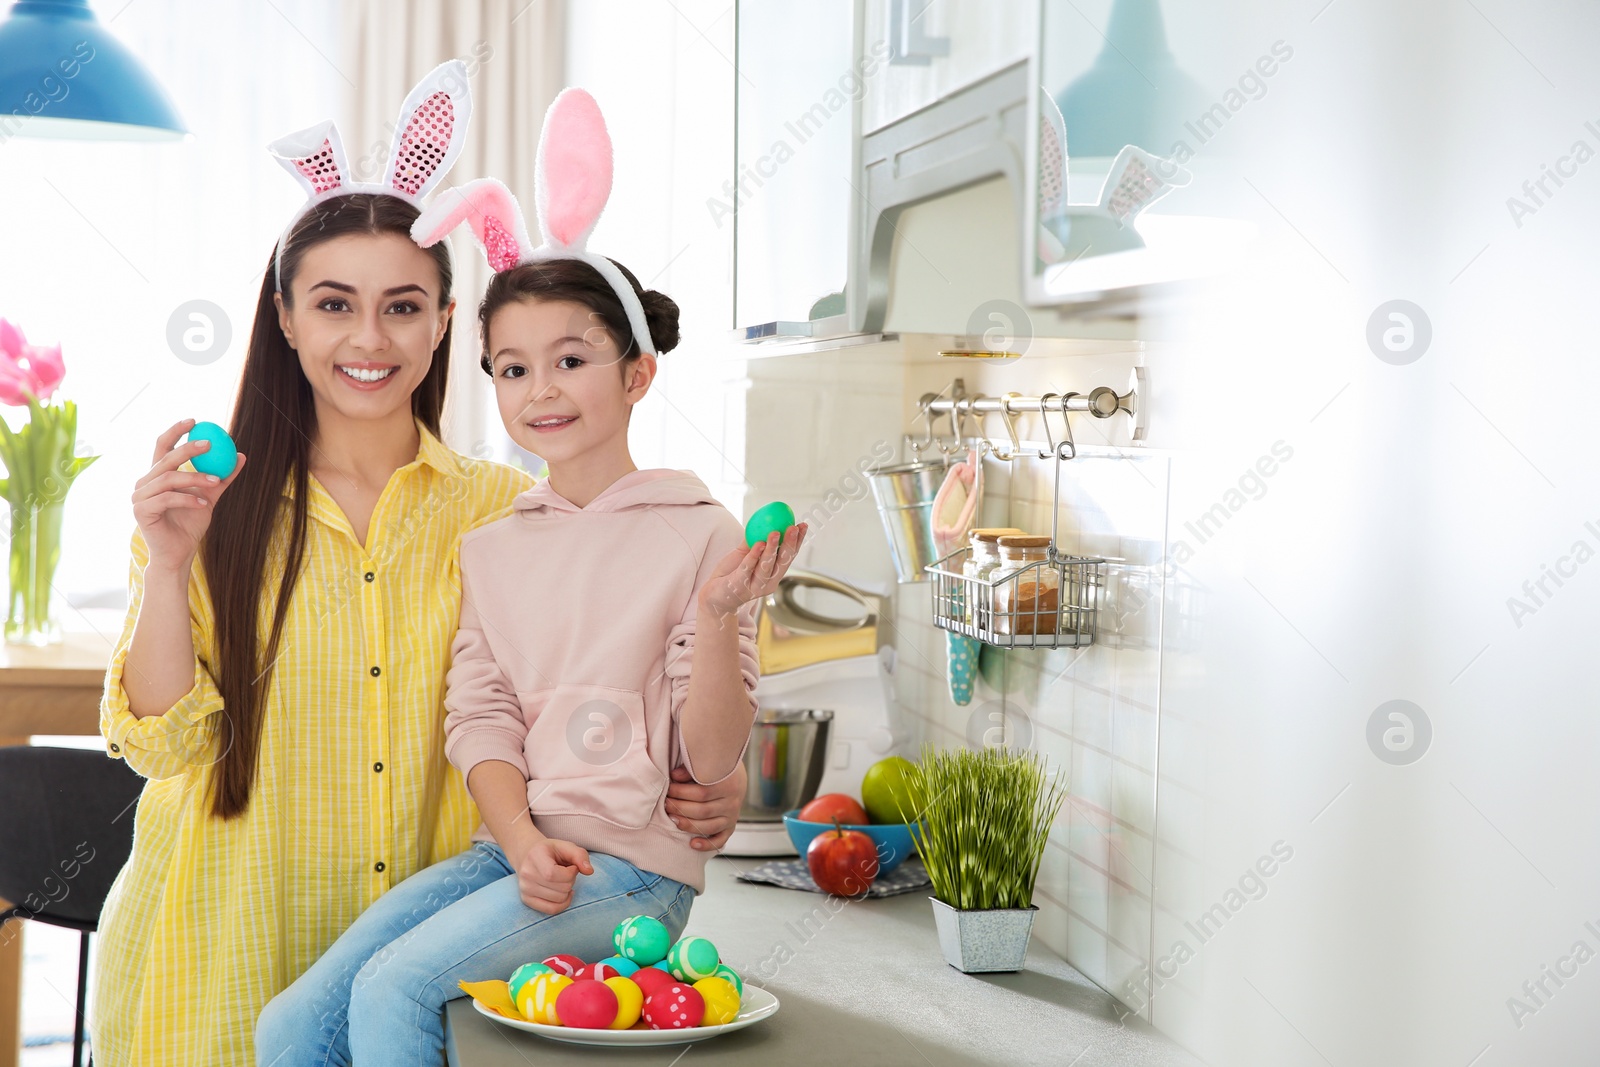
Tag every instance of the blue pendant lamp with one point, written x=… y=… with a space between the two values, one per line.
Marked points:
x=1135 y=93
x=63 y=75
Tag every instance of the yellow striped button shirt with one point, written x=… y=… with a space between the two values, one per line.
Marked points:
x=210 y=919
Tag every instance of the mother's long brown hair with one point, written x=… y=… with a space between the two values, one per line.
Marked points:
x=274 y=421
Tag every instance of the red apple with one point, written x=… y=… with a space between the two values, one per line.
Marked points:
x=835 y=808
x=843 y=862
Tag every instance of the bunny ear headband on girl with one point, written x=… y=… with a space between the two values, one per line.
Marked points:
x=427 y=140
x=572 y=182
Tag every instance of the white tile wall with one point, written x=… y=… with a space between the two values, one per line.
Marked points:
x=1092 y=712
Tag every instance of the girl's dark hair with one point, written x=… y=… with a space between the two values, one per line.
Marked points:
x=575 y=280
x=274 y=420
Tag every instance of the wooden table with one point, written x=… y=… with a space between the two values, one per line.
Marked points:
x=53 y=690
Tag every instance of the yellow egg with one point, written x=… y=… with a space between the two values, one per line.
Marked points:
x=630 y=1001
x=722 y=1001
x=537 y=1002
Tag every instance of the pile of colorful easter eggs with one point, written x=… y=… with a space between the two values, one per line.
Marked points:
x=652 y=982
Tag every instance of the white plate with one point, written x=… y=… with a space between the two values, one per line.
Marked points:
x=757 y=1004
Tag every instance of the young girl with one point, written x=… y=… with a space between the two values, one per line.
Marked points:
x=281 y=673
x=607 y=636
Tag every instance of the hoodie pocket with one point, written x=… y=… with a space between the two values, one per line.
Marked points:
x=587 y=755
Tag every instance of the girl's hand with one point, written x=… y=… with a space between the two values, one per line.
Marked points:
x=173 y=507
x=547 y=872
x=709 y=811
x=747 y=574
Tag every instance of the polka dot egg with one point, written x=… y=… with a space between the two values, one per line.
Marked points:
x=722 y=1001
x=692 y=959
x=642 y=939
x=650 y=979
x=538 y=1000
x=677 y=1007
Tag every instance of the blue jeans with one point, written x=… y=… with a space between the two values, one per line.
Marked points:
x=377 y=995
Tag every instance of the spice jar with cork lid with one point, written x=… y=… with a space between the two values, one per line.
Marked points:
x=983 y=558
x=1027 y=598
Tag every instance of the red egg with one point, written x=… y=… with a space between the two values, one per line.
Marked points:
x=649 y=979
x=597 y=971
x=674 y=1007
x=588 y=1004
x=564 y=964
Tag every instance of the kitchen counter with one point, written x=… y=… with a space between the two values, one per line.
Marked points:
x=858 y=982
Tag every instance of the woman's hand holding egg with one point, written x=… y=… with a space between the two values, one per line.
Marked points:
x=173 y=507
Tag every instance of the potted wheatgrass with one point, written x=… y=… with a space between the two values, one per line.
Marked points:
x=982 y=837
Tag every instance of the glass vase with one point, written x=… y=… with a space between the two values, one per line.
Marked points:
x=35 y=551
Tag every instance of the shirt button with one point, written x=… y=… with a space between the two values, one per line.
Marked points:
x=376 y=672
x=369 y=576
x=377 y=767
x=378 y=866
x=114 y=747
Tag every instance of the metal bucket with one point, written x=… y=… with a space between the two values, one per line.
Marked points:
x=905 y=503
x=784 y=761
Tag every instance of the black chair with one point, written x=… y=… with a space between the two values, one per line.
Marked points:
x=66 y=829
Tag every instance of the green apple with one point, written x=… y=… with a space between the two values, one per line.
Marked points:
x=887 y=795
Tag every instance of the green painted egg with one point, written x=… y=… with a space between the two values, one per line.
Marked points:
x=522 y=975
x=775 y=517
x=692 y=959
x=642 y=939
x=724 y=971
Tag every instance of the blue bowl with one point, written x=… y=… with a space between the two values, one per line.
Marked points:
x=893 y=839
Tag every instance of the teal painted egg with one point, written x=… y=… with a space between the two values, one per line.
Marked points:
x=221 y=457
x=724 y=971
x=692 y=959
x=522 y=976
x=642 y=939
x=620 y=964
x=775 y=517
x=663 y=966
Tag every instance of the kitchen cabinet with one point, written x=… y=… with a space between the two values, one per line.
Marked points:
x=796 y=89
x=1114 y=124
x=936 y=47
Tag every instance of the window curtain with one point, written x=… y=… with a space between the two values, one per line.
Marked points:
x=515 y=54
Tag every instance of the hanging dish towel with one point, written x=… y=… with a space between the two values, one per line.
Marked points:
x=955 y=512
x=955 y=505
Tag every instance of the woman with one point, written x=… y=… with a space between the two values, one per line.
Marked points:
x=285 y=695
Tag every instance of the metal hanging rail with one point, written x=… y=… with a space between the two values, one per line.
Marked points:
x=1102 y=402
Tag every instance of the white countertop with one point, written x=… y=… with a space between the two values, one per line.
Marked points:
x=860 y=982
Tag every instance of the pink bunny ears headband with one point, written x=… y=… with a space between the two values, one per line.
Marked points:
x=572 y=182
x=432 y=128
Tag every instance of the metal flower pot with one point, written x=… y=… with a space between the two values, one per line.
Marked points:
x=991 y=939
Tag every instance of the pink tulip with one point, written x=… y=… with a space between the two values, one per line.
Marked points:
x=45 y=369
x=26 y=368
x=11 y=340
x=14 y=383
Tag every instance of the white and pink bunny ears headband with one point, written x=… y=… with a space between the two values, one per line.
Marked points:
x=572 y=182
x=432 y=128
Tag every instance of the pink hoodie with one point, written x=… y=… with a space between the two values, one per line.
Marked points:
x=572 y=659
